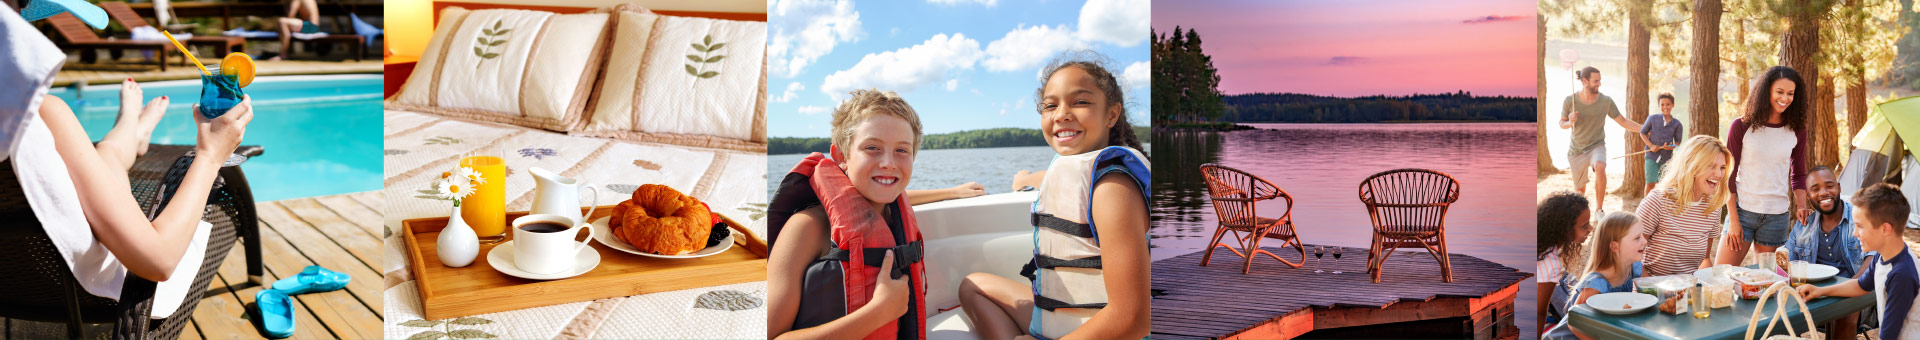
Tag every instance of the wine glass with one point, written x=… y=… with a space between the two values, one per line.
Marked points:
x=1318 y=251
x=1336 y=259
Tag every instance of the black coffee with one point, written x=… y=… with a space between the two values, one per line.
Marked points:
x=544 y=227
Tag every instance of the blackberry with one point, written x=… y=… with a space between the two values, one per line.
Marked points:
x=719 y=232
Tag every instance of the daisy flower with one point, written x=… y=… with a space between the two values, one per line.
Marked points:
x=470 y=175
x=455 y=189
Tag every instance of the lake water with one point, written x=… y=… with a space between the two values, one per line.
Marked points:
x=945 y=168
x=1322 y=165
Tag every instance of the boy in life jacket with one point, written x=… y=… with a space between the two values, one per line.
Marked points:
x=1089 y=274
x=845 y=258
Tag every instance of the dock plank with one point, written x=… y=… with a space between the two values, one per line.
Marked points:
x=1217 y=300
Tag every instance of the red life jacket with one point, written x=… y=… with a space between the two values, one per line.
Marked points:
x=843 y=280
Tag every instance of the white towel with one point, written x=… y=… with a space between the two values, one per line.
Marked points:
x=150 y=33
x=32 y=61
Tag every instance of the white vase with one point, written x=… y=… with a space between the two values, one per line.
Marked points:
x=458 y=245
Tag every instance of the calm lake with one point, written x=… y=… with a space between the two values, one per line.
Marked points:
x=1321 y=166
x=945 y=168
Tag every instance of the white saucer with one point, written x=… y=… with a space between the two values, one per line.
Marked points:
x=501 y=258
x=608 y=239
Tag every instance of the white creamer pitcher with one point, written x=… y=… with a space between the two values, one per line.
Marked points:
x=557 y=195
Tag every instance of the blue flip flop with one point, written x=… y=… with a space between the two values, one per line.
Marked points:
x=275 y=311
x=87 y=12
x=313 y=279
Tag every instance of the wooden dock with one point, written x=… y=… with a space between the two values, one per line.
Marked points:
x=1279 y=302
x=339 y=232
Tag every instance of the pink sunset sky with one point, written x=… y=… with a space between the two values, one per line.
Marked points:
x=1359 y=48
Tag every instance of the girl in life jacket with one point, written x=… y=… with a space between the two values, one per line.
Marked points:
x=845 y=259
x=1089 y=274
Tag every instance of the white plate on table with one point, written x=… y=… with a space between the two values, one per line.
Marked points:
x=1817 y=272
x=1622 y=303
x=604 y=234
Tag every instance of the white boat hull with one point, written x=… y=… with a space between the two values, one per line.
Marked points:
x=986 y=234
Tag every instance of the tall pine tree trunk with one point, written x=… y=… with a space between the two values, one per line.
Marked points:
x=1639 y=45
x=1541 y=155
x=1798 y=50
x=1856 y=106
x=1703 y=108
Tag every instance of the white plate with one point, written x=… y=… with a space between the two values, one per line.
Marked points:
x=501 y=258
x=604 y=234
x=1817 y=272
x=1613 y=303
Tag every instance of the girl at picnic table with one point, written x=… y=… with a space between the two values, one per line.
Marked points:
x=1769 y=144
x=1613 y=264
x=1564 y=223
x=1682 y=215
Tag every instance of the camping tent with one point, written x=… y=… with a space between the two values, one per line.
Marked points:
x=1876 y=147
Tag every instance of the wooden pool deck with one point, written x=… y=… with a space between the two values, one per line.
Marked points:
x=113 y=73
x=339 y=232
x=1279 y=302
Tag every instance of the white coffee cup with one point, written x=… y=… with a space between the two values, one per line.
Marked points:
x=544 y=244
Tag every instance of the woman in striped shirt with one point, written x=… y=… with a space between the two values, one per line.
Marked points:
x=1682 y=215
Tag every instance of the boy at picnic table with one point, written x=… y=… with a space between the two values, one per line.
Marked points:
x=1882 y=210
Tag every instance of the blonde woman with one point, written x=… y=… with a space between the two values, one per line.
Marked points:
x=1682 y=214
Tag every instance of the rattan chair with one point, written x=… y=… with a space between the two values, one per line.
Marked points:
x=40 y=286
x=1409 y=210
x=1234 y=194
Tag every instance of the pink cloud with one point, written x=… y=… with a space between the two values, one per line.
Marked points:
x=1494 y=19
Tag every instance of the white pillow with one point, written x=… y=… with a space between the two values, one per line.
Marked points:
x=527 y=68
x=683 y=80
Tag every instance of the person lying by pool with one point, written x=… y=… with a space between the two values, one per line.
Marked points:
x=1090 y=266
x=79 y=190
x=303 y=16
x=845 y=249
x=1613 y=264
x=1881 y=211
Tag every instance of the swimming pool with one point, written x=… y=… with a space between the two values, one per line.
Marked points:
x=322 y=133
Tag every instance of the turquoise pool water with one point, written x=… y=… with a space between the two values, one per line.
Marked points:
x=321 y=133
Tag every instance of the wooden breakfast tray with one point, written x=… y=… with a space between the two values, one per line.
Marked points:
x=478 y=289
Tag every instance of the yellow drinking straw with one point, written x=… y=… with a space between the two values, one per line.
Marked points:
x=183 y=50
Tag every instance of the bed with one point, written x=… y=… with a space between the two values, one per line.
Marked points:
x=421 y=144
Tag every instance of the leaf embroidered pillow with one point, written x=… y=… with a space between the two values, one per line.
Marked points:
x=527 y=68
x=683 y=80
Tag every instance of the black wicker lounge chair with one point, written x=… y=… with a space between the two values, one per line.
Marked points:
x=40 y=287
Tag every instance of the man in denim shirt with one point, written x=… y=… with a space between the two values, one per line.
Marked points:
x=1830 y=241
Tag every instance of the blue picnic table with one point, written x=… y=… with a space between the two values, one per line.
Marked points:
x=1725 y=323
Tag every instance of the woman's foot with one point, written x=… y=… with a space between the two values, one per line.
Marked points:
x=130 y=98
x=149 y=119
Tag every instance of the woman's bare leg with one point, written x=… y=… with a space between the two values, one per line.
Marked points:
x=1000 y=308
x=287 y=27
x=149 y=249
x=132 y=129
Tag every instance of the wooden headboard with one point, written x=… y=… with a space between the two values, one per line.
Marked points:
x=440 y=5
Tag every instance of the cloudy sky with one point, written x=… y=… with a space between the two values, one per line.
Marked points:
x=962 y=64
x=1357 y=48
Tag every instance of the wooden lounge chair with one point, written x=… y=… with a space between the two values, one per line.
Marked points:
x=41 y=287
x=80 y=37
x=1409 y=210
x=1234 y=194
x=123 y=14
